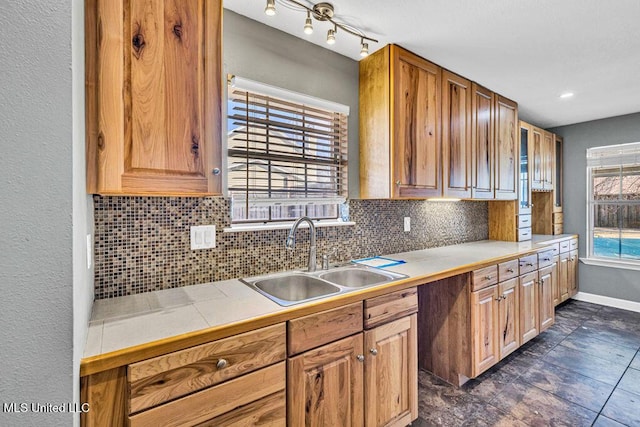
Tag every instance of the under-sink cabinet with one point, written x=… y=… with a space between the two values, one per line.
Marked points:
x=364 y=378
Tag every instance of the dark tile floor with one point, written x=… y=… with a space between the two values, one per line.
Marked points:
x=583 y=371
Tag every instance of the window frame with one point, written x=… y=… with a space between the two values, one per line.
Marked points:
x=336 y=202
x=619 y=156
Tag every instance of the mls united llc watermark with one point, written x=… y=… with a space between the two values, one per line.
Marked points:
x=33 y=407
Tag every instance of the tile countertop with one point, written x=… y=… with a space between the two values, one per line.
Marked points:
x=122 y=323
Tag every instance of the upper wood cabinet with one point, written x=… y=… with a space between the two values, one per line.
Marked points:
x=400 y=145
x=482 y=142
x=506 y=157
x=456 y=135
x=542 y=159
x=153 y=93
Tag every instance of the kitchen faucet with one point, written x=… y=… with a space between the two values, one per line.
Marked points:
x=291 y=241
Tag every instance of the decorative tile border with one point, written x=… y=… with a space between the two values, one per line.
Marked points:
x=142 y=243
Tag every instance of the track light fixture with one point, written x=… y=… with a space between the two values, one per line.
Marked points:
x=308 y=25
x=322 y=12
x=270 y=9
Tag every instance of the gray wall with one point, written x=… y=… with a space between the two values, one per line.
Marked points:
x=44 y=214
x=606 y=281
x=258 y=52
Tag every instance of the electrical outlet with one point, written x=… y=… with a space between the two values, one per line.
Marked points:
x=203 y=237
x=407 y=223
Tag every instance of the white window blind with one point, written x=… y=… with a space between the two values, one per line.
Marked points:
x=287 y=153
x=613 y=211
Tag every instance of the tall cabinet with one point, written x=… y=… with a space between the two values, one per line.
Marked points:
x=400 y=143
x=153 y=95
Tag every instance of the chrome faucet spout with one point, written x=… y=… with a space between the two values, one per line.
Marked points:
x=291 y=240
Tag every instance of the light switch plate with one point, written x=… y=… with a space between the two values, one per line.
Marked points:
x=203 y=237
x=407 y=223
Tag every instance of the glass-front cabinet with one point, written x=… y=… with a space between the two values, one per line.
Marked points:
x=524 y=196
x=557 y=188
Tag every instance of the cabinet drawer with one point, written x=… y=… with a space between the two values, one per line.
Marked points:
x=524 y=234
x=316 y=329
x=545 y=258
x=555 y=247
x=484 y=277
x=386 y=308
x=558 y=218
x=269 y=411
x=573 y=244
x=508 y=270
x=528 y=263
x=565 y=246
x=524 y=221
x=173 y=375
x=558 y=229
x=215 y=401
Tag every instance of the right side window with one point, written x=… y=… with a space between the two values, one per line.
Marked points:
x=613 y=213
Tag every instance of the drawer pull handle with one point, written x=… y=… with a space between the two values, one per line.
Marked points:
x=222 y=363
x=360 y=358
x=374 y=351
x=525 y=220
x=510 y=270
x=547 y=259
x=487 y=277
x=529 y=264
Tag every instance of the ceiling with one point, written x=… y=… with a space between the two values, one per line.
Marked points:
x=531 y=51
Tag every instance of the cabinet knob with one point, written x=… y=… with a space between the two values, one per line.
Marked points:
x=360 y=357
x=216 y=171
x=374 y=351
x=499 y=298
x=222 y=363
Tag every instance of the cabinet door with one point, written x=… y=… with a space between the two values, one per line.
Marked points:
x=456 y=135
x=524 y=191
x=325 y=385
x=572 y=273
x=509 y=321
x=484 y=321
x=482 y=142
x=557 y=183
x=547 y=276
x=416 y=121
x=563 y=276
x=153 y=95
x=528 y=306
x=536 y=158
x=507 y=162
x=391 y=373
x=556 y=281
x=548 y=159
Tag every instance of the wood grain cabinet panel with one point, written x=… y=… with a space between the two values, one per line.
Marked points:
x=386 y=308
x=507 y=148
x=168 y=377
x=548 y=164
x=546 y=278
x=484 y=323
x=153 y=89
x=456 y=135
x=563 y=276
x=400 y=142
x=529 y=311
x=537 y=158
x=482 y=142
x=325 y=385
x=391 y=367
x=508 y=319
x=573 y=273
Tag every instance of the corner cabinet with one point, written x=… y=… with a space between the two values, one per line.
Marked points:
x=400 y=145
x=153 y=94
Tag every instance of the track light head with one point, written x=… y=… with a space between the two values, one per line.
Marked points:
x=270 y=9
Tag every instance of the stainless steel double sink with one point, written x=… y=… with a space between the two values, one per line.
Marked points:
x=298 y=287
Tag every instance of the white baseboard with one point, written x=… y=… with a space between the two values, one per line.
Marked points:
x=608 y=301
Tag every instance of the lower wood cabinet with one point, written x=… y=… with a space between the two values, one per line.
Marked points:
x=325 y=386
x=391 y=373
x=508 y=320
x=368 y=378
x=529 y=312
x=546 y=308
x=484 y=326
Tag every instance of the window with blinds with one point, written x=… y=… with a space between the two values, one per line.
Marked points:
x=287 y=154
x=613 y=212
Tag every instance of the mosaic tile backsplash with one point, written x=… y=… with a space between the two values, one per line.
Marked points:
x=142 y=243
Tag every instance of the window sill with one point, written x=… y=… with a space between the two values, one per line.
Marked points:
x=284 y=226
x=601 y=262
